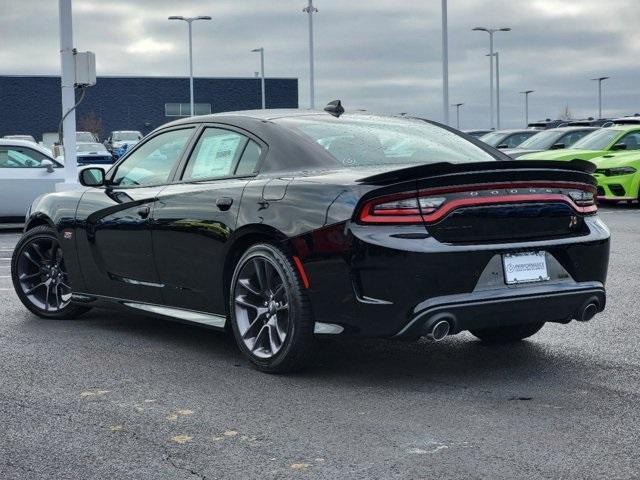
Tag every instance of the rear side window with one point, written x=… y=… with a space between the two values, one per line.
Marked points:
x=215 y=155
x=249 y=160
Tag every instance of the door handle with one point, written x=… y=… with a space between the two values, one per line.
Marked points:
x=224 y=203
x=144 y=211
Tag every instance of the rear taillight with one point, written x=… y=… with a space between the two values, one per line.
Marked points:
x=429 y=206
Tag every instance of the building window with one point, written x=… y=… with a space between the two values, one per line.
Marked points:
x=184 y=109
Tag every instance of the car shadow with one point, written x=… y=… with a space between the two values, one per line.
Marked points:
x=459 y=361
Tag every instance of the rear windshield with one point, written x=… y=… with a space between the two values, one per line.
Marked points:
x=126 y=136
x=370 y=140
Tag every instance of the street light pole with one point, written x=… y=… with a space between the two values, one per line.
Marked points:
x=526 y=106
x=67 y=82
x=600 y=80
x=445 y=64
x=261 y=50
x=310 y=9
x=497 y=55
x=457 y=105
x=491 y=31
x=190 y=20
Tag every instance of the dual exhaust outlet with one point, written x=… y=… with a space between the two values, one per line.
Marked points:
x=438 y=328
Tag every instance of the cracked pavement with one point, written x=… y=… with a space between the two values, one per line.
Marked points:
x=116 y=395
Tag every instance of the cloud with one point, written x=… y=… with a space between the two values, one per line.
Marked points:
x=383 y=55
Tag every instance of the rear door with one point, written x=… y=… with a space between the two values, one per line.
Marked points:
x=23 y=178
x=195 y=217
x=114 y=237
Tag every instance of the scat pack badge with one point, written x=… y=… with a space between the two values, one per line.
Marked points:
x=67 y=234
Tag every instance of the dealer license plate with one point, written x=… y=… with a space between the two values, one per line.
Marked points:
x=525 y=267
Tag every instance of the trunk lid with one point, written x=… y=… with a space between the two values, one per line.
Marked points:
x=485 y=202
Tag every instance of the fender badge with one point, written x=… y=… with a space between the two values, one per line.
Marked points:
x=67 y=234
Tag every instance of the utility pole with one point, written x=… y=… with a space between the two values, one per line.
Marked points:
x=310 y=9
x=491 y=31
x=600 y=80
x=526 y=106
x=445 y=64
x=261 y=51
x=457 y=105
x=67 y=81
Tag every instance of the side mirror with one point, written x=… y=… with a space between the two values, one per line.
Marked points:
x=619 y=146
x=92 y=177
x=48 y=164
x=503 y=145
x=557 y=146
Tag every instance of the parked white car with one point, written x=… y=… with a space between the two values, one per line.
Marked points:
x=27 y=138
x=27 y=170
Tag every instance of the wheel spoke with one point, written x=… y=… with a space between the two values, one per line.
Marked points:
x=25 y=276
x=35 y=287
x=259 y=267
x=36 y=248
x=46 y=298
x=284 y=306
x=246 y=284
x=259 y=338
x=278 y=291
x=57 y=296
x=28 y=256
x=256 y=321
x=242 y=301
x=274 y=338
x=282 y=333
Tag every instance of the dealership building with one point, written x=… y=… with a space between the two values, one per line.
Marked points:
x=31 y=105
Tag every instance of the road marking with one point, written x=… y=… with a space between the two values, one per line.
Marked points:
x=5 y=276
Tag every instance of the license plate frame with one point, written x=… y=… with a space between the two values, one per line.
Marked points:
x=525 y=267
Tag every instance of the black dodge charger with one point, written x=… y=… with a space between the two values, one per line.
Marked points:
x=283 y=226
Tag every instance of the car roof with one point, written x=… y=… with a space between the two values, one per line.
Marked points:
x=516 y=130
x=573 y=127
x=7 y=142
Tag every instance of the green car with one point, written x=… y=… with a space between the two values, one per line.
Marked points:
x=598 y=143
x=618 y=175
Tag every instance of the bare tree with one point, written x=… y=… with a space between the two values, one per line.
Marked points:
x=91 y=123
x=565 y=114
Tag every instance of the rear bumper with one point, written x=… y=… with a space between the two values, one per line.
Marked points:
x=496 y=308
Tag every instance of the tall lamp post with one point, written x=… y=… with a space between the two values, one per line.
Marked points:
x=526 y=106
x=445 y=64
x=457 y=105
x=67 y=81
x=600 y=80
x=190 y=20
x=310 y=9
x=261 y=50
x=491 y=31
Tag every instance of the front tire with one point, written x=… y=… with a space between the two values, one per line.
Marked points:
x=270 y=313
x=508 y=334
x=40 y=276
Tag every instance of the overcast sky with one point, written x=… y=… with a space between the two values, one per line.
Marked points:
x=380 y=55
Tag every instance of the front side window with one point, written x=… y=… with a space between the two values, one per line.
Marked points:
x=631 y=141
x=215 y=155
x=153 y=161
x=21 y=157
x=354 y=140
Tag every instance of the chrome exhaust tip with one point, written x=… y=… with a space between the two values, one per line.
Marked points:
x=588 y=312
x=439 y=330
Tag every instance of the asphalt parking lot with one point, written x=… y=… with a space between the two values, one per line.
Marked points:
x=121 y=396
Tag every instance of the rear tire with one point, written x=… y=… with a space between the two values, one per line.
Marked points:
x=271 y=316
x=509 y=334
x=40 y=277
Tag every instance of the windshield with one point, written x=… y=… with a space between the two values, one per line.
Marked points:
x=84 y=137
x=598 y=140
x=369 y=140
x=90 y=147
x=131 y=136
x=542 y=141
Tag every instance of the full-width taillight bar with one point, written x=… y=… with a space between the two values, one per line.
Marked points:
x=431 y=205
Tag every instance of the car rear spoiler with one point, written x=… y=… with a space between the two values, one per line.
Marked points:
x=444 y=168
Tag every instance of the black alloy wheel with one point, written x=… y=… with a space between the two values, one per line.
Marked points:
x=40 y=276
x=270 y=314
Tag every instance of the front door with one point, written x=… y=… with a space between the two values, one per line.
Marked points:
x=114 y=236
x=23 y=178
x=195 y=218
